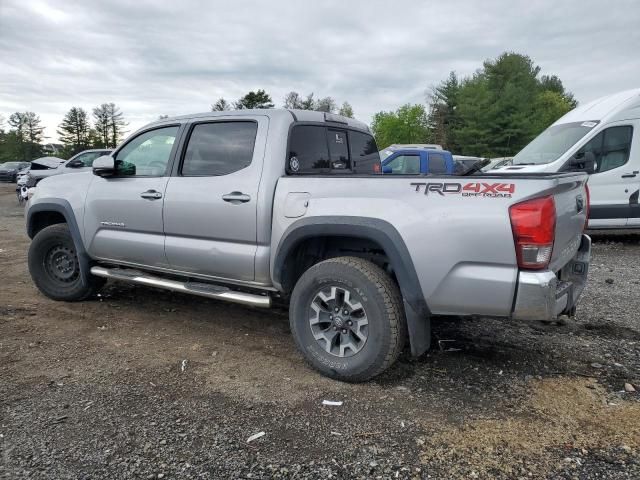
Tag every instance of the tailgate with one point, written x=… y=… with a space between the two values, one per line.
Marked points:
x=571 y=200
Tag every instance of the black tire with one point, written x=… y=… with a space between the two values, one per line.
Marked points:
x=381 y=303
x=54 y=266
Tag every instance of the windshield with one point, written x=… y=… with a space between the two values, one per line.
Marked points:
x=553 y=143
x=10 y=165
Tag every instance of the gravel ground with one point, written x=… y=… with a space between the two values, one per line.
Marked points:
x=142 y=383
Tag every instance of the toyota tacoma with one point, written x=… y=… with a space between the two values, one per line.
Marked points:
x=254 y=206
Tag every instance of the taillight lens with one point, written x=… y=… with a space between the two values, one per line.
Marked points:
x=534 y=226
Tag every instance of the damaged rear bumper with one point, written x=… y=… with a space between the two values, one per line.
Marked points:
x=545 y=295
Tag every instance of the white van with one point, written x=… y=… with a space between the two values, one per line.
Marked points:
x=603 y=138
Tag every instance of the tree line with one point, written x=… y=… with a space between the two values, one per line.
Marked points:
x=261 y=99
x=22 y=135
x=494 y=112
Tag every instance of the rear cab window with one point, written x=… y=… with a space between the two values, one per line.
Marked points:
x=319 y=149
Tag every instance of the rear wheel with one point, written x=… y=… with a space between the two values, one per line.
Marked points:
x=54 y=266
x=347 y=319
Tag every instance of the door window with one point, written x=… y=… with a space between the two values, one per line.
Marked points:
x=364 y=153
x=405 y=164
x=437 y=164
x=611 y=148
x=338 y=149
x=148 y=154
x=88 y=158
x=219 y=148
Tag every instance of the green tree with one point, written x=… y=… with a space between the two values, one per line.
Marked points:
x=221 y=105
x=117 y=124
x=101 y=122
x=74 y=131
x=408 y=124
x=308 y=103
x=27 y=135
x=442 y=112
x=499 y=109
x=326 y=104
x=293 y=100
x=346 y=110
x=257 y=99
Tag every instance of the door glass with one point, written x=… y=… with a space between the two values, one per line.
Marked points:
x=338 y=149
x=610 y=147
x=364 y=153
x=147 y=155
x=437 y=164
x=405 y=164
x=308 y=150
x=88 y=158
x=219 y=148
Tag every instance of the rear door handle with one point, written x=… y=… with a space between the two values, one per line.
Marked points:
x=151 y=195
x=631 y=175
x=236 y=197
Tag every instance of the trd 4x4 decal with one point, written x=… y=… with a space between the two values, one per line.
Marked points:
x=473 y=189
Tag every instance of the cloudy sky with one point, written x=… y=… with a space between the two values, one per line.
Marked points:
x=175 y=57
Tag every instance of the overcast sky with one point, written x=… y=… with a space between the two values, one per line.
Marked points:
x=177 y=57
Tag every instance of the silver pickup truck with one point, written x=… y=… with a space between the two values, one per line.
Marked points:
x=256 y=205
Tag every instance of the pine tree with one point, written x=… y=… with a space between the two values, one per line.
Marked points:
x=74 y=131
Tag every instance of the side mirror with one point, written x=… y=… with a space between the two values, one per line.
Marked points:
x=77 y=163
x=387 y=169
x=586 y=163
x=104 y=166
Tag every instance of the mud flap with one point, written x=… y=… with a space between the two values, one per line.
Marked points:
x=419 y=328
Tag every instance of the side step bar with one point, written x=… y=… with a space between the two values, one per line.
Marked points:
x=193 y=288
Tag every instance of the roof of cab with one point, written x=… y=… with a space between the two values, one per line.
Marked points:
x=618 y=106
x=294 y=115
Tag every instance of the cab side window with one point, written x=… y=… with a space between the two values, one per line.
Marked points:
x=611 y=148
x=147 y=155
x=437 y=164
x=219 y=148
x=405 y=164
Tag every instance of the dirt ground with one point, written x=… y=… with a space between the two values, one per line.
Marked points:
x=142 y=383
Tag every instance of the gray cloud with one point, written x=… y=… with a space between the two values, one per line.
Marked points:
x=155 y=58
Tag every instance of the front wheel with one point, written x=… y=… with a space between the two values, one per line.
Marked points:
x=347 y=319
x=54 y=266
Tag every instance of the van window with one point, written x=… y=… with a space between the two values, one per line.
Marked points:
x=437 y=164
x=551 y=144
x=611 y=148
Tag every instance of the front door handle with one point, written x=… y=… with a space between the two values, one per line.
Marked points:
x=151 y=195
x=629 y=175
x=236 y=197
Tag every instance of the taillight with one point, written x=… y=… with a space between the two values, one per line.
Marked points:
x=534 y=226
x=588 y=207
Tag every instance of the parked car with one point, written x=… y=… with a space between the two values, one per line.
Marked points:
x=9 y=171
x=601 y=138
x=81 y=162
x=253 y=205
x=384 y=153
x=496 y=163
x=429 y=161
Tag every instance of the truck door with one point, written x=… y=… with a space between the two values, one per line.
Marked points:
x=615 y=180
x=123 y=213
x=210 y=203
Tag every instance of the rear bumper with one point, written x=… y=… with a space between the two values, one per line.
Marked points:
x=544 y=295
